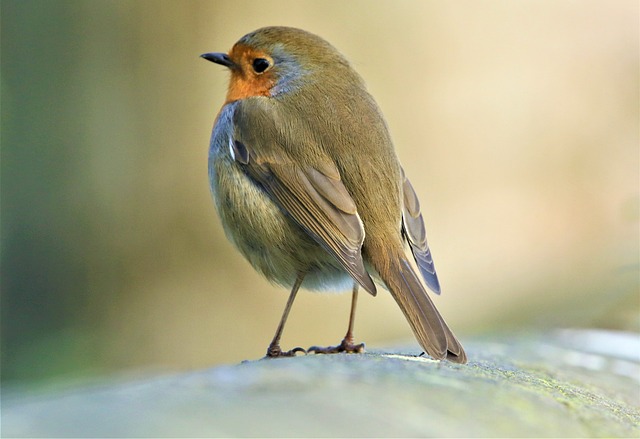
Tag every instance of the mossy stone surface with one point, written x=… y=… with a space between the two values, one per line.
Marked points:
x=512 y=387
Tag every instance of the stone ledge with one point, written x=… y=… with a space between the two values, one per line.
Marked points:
x=557 y=385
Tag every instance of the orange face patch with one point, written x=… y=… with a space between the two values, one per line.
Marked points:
x=245 y=81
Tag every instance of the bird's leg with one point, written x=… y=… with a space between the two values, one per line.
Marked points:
x=347 y=345
x=274 y=350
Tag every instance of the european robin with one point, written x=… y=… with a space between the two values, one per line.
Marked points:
x=308 y=186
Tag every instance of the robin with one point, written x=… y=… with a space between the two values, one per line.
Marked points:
x=309 y=188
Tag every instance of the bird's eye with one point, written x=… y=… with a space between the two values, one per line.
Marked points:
x=260 y=65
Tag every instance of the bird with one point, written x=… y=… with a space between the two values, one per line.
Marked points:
x=308 y=186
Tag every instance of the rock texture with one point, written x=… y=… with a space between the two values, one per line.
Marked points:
x=564 y=384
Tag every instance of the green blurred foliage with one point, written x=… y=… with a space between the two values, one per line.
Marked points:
x=517 y=122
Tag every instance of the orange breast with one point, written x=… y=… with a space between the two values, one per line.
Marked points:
x=244 y=86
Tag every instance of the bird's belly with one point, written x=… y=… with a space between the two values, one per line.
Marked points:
x=272 y=242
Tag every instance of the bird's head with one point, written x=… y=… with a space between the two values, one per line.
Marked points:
x=275 y=60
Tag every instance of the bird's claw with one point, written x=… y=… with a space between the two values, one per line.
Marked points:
x=346 y=346
x=276 y=352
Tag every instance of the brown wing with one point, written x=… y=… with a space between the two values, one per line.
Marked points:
x=414 y=230
x=313 y=196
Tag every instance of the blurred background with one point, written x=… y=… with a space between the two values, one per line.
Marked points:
x=517 y=123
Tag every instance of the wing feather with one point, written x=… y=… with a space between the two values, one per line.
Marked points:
x=313 y=196
x=415 y=232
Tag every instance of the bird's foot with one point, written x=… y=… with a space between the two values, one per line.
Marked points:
x=274 y=351
x=347 y=346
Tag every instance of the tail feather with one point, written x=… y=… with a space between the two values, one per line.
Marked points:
x=429 y=327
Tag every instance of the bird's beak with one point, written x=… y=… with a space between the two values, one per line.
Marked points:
x=219 y=58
